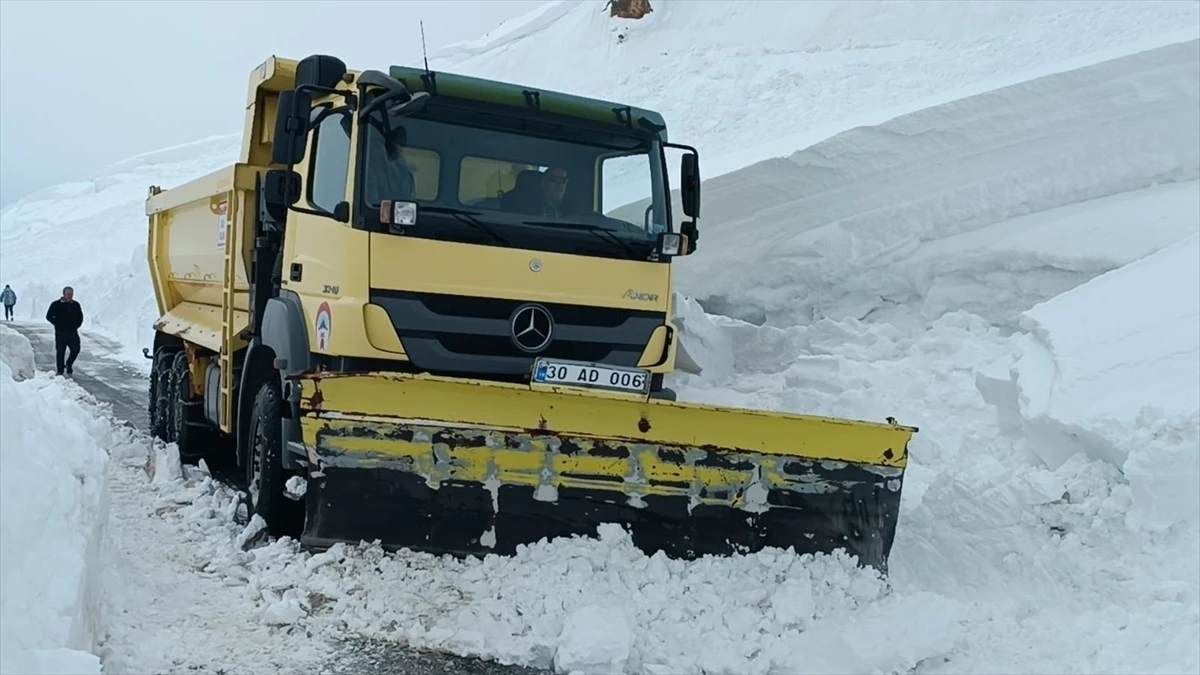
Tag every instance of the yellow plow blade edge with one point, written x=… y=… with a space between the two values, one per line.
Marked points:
x=474 y=467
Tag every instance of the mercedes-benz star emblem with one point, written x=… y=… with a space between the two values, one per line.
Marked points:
x=535 y=265
x=532 y=327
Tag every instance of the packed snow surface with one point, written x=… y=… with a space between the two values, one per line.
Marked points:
x=53 y=509
x=1015 y=272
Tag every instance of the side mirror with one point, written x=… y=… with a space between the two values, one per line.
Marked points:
x=280 y=190
x=291 y=127
x=393 y=89
x=689 y=188
x=690 y=235
x=412 y=105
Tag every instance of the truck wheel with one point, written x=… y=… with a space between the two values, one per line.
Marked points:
x=184 y=407
x=265 y=476
x=152 y=399
x=158 y=408
x=168 y=391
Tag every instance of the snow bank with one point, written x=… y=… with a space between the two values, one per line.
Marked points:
x=17 y=354
x=852 y=225
x=53 y=507
x=1111 y=369
x=1030 y=568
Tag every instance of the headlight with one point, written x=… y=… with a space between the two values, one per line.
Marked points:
x=398 y=213
x=670 y=243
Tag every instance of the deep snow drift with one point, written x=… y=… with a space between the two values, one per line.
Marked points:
x=53 y=508
x=1036 y=319
x=861 y=222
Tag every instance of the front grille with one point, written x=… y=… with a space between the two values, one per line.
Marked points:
x=490 y=308
x=487 y=345
x=467 y=335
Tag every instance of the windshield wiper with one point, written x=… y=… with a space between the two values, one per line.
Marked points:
x=601 y=233
x=467 y=217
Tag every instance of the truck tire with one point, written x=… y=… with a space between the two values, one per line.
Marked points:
x=158 y=412
x=152 y=399
x=265 y=475
x=168 y=389
x=187 y=436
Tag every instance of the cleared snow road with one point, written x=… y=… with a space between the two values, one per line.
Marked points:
x=164 y=595
x=109 y=380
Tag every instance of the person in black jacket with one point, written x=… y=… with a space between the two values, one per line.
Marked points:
x=66 y=316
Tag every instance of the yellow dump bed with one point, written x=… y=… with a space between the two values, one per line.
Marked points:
x=189 y=227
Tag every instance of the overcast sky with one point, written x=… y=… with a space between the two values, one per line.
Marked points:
x=85 y=84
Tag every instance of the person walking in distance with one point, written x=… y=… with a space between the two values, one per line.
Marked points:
x=66 y=316
x=9 y=297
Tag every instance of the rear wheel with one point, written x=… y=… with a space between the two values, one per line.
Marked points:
x=265 y=475
x=169 y=390
x=186 y=429
x=152 y=399
x=158 y=408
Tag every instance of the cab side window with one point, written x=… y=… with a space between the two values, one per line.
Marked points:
x=330 y=162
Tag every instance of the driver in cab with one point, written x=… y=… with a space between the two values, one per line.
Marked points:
x=538 y=193
x=554 y=186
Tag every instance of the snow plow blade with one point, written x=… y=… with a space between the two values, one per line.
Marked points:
x=473 y=467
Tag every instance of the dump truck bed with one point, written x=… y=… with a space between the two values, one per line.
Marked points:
x=469 y=466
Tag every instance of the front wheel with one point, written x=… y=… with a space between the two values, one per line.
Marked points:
x=266 y=476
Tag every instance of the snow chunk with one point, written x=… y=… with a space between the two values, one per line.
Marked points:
x=704 y=348
x=17 y=353
x=285 y=611
x=296 y=487
x=594 y=639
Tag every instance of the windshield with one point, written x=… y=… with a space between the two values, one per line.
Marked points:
x=510 y=183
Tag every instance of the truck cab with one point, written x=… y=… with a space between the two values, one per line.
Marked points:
x=437 y=223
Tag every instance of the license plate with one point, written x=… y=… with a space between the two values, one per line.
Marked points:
x=590 y=375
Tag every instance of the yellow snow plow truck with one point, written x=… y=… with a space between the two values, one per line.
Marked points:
x=409 y=314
